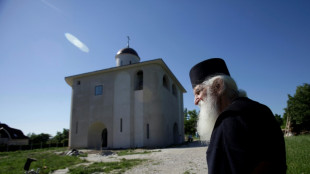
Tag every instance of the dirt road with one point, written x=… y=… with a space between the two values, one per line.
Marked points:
x=186 y=159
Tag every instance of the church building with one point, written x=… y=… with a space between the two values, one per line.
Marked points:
x=135 y=104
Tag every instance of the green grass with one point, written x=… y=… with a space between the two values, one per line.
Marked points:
x=298 y=154
x=133 y=152
x=106 y=167
x=47 y=160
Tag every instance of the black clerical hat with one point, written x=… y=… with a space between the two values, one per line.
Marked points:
x=207 y=68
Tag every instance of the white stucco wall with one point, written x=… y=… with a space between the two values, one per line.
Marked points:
x=121 y=110
x=138 y=118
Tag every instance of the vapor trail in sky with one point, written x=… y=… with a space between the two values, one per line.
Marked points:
x=76 y=42
x=51 y=5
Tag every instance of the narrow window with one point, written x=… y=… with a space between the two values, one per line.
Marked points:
x=76 y=127
x=165 y=82
x=139 y=80
x=130 y=62
x=121 y=125
x=147 y=131
x=78 y=82
x=98 y=90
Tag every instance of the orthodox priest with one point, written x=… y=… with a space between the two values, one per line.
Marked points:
x=244 y=136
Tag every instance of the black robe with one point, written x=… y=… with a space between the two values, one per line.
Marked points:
x=246 y=136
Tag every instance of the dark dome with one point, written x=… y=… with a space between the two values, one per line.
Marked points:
x=128 y=51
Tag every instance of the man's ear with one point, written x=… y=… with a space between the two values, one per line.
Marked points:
x=218 y=87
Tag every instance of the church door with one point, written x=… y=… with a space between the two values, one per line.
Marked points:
x=104 y=138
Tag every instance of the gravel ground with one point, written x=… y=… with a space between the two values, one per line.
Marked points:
x=189 y=158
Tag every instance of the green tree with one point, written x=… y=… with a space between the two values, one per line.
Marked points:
x=279 y=119
x=40 y=138
x=190 y=123
x=185 y=114
x=298 y=109
x=61 y=137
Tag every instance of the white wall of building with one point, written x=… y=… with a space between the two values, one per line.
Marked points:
x=122 y=90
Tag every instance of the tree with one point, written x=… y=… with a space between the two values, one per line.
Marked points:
x=185 y=114
x=40 y=138
x=279 y=119
x=190 y=124
x=61 y=137
x=297 y=111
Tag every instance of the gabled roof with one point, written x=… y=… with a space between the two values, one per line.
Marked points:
x=159 y=61
x=11 y=133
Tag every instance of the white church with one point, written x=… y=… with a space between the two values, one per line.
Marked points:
x=135 y=104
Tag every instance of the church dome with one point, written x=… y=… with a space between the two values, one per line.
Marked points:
x=128 y=51
x=126 y=56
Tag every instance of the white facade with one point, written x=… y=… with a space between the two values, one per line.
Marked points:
x=139 y=104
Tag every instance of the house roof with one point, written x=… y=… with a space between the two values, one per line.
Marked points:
x=11 y=133
x=159 y=61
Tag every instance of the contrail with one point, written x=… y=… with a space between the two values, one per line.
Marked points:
x=51 y=5
x=76 y=42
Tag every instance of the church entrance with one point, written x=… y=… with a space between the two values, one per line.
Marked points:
x=104 y=138
x=97 y=136
x=175 y=134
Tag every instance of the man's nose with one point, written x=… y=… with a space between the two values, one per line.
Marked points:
x=197 y=100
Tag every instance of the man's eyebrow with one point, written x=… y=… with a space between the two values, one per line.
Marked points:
x=197 y=88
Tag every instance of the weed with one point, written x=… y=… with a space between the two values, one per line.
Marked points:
x=298 y=154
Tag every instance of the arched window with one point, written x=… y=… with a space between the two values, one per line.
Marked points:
x=139 y=80
x=174 y=90
x=165 y=82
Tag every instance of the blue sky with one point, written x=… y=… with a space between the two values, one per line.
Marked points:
x=266 y=45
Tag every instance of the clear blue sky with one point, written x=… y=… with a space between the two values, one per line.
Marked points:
x=266 y=45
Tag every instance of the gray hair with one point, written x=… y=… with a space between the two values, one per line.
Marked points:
x=230 y=87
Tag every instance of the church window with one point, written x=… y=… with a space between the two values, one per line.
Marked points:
x=147 y=131
x=98 y=90
x=139 y=80
x=121 y=125
x=174 y=90
x=165 y=82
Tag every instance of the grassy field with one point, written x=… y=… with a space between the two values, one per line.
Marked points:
x=47 y=160
x=297 y=152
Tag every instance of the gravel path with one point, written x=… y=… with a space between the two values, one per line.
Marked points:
x=190 y=158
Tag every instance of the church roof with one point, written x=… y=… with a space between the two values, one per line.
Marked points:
x=159 y=61
x=128 y=51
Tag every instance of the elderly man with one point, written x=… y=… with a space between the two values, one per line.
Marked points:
x=244 y=135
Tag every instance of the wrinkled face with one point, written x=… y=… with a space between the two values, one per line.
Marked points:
x=200 y=92
x=208 y=112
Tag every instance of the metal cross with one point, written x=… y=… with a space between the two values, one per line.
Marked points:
x=128 y=41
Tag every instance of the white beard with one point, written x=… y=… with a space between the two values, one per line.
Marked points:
x=208 y=115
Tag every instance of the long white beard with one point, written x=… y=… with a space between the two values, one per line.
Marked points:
x=209 y=112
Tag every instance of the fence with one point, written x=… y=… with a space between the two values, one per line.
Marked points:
x=7 y=148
